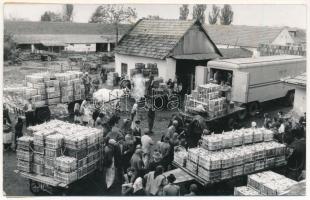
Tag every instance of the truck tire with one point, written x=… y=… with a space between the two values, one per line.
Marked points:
x=34 y=187
x=242 y=114
x=289 y=98
x=231 y=121
x=253 y=108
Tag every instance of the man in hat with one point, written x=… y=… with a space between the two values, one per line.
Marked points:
x=29 y=109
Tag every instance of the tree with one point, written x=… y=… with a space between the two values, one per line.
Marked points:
x=226 y=15
x=199 y=12
x=113 y=14
x=214 y=15
x=68 y=13
x=156 y=17
x=184 y=11
x=49 y=16
x=10 y=52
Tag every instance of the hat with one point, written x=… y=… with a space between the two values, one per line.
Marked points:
x=112 y=141
x=253 y=124
x=157 y=156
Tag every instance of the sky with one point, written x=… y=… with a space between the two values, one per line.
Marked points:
x=255 y=15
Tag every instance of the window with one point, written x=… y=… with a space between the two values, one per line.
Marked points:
x=124 y=68
x=87 y=45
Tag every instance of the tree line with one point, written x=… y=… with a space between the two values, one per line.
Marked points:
x=115 y=14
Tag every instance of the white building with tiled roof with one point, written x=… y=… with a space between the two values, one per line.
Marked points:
x=176 y=46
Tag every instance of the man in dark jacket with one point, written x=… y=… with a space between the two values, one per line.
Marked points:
x=151 y=119
x=296 y=159
x=29 y=109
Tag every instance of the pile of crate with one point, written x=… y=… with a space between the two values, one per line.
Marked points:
x=209 y=97
x=24 y=153
x=265 y=183
x=112 y=79
x=221 y=156
x=150 y=70
x=53 y=88
x=63 y=151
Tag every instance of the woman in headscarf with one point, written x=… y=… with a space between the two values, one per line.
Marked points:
x=155 y=182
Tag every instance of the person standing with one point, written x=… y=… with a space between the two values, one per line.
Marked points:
x=151 y=119
x=77 y=114
x=138 y=189
x=171 y=189
x=87 y=83
x=136 y=162
x=18 y=130
x=6 y=113
x=100 y=120
x=85 y=113
x=134 y=111
x=165 y=148
x=128 y=151
x=156 y=161
x=155 y=182
x=136 y=132
x=147 y=144
x=29 y=109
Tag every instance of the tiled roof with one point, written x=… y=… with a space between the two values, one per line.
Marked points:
x=244 y=36
x=82 y=38
x=235 y=53
x=153 y=38
x=300 y=80
x=62 y=28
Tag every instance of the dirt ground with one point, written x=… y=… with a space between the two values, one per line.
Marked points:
x=15 y=185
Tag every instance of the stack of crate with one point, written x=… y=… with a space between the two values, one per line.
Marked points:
x=52 y=149
x=227 y=155
x=65 y=169
x=265 y=183
x=209 y=97
x=24 y=154
x=36 y=88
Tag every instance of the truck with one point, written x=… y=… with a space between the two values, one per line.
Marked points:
x=254 y=80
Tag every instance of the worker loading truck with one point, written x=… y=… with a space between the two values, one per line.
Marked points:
x=254 y=80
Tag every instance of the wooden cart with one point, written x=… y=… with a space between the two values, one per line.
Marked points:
x=38 y=183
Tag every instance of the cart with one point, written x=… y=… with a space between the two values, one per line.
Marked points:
x=38 y=183
x=226 y=121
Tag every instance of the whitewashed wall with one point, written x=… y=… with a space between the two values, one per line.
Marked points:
x=300 y=101
x=81 y=47
x=166 y=68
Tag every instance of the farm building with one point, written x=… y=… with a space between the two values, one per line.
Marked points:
x=250 y=37
x=177 y=47
x=59 y=36
x=300 y=100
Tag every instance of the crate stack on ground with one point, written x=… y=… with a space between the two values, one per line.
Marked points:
x=265 y=183
x=24 y=153
x=54 y=88
x=63 y=151
x=234 y=153
x=206 y=98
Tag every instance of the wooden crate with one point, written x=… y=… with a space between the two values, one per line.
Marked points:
x=24 y=166
x=38 y=158
x=53 y=152
x=249 y=168
x=238 y=170
x=76 y=153
x=81 y=172
x=208 y=175
x=38 y=168
x=38 y=149
x=259 y=164
x=226 y=173
x=245 y=191
x=66 y=178
x=49 y=161
x=48 y=171
x=270 y=162
x=24 y=155
x=192 y=166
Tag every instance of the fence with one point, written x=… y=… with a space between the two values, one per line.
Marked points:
x=269 y=50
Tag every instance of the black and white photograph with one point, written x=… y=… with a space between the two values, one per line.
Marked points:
x=154 y=99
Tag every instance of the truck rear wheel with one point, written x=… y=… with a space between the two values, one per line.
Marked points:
x=253 y=108
x=34 y=187
x=242 y=114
